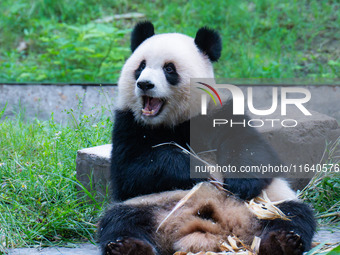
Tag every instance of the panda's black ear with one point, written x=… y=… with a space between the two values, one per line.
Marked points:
x=142 y=31
x=209 y=42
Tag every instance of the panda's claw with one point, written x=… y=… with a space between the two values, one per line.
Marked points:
x=119 y=239
x=129 y=246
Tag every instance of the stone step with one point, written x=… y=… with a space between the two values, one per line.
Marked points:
x=81 y=249
x=303 y=144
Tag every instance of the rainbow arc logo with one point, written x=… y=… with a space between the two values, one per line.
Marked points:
x=209 y=93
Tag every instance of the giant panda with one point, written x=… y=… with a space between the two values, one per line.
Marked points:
x=153 y=108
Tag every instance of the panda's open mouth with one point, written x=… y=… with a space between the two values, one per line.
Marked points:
x=152 y=106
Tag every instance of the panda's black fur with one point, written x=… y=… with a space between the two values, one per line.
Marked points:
x=139 y=168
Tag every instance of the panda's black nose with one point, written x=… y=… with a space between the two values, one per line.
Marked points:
x=145 y=85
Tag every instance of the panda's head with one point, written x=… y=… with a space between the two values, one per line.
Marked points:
x=155 y=80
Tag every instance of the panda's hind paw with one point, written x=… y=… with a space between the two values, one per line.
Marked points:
x=290 y=242
x=129 y=246
x=282 y=242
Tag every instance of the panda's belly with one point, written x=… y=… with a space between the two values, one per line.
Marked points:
x=279 y=190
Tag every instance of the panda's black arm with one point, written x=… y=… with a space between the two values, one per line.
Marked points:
x=155 y=171
x=237 y=146
x=138 y=167
x=250 y=150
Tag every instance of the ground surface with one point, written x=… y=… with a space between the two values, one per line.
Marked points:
x=89 y=249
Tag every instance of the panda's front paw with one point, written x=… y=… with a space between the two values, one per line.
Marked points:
x=281 y=242
x=129 y=246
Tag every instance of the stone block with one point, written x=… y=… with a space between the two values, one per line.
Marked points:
x=93 y=168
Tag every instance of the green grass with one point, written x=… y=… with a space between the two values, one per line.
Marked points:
x=261 y=38
x=323 y=191
x=39 y=200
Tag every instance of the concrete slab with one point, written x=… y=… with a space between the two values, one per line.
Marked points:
x=41 y=100
x=82 y=249
x=99 y=100
x=323 y=235
x=327 y=235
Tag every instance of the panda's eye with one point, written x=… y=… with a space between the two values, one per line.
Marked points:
x=142 y=65
x=171 y=74
x=140 y=68
x=169 y=68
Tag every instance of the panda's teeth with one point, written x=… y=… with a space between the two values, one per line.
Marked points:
x=146 y=112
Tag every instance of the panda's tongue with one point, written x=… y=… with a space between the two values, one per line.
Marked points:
x=151 y=106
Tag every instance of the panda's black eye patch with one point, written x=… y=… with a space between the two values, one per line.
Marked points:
x=140 y=68
x=171 y=74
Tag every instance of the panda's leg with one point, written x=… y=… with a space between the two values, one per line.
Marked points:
x=282 y=237
x=127 y=230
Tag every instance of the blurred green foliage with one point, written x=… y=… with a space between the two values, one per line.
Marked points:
x=261 y=38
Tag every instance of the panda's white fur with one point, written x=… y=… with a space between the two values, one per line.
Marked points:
x=280 y=190
x=158 y=50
